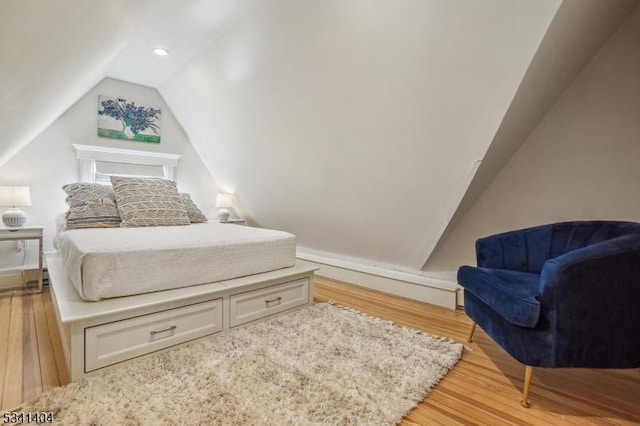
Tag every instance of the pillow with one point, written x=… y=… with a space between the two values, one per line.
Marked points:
x=91 y=206
x=148 y=202
x=193 y=212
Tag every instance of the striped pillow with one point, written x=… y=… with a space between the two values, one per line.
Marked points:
x=149 y=202
x=91 y=206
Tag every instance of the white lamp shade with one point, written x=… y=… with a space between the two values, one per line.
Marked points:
x=12 y=196
x=224 y=200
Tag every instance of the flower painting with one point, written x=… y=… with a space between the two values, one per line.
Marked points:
x=122 y=119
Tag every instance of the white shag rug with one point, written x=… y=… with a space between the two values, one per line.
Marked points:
x=319 y=365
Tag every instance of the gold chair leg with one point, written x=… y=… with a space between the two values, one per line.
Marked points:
x=528 y=371
x=473 y=330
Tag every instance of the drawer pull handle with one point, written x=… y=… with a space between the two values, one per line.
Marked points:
x=277 y=299
x=154 y=332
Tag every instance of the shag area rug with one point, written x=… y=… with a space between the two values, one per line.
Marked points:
x=317 y=365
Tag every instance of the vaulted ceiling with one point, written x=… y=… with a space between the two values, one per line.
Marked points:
x=363 y=127
x=54 y=52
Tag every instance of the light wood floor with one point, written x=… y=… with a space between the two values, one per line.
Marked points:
x=484 y=387
x=31 y=357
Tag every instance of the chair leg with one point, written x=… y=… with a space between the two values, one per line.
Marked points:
x=528 y=371
x=473 y=330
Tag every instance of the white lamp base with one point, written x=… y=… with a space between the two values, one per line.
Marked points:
x=14 y=218
x=223 y=215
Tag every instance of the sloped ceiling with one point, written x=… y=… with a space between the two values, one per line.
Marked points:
x=52 y=53
x=357 y=125
x=184 y=28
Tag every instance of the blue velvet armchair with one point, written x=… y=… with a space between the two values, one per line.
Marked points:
x=559 y=295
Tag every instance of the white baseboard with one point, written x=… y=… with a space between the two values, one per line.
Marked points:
x=17 y=279
x=460 y=297
x=434 y=290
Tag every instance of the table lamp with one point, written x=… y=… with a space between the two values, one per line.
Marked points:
x=14 y=197
x=224 y=201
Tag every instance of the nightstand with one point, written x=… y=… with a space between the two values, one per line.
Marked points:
x=26 y=233
x=235 y=221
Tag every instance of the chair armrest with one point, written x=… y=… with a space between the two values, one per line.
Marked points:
x=590 y=297
x=523 y=250
x=593 y=266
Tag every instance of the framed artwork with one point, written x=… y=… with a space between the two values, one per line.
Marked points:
x=122 y=119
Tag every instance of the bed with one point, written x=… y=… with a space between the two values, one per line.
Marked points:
x=124 y=292
x=114 y=262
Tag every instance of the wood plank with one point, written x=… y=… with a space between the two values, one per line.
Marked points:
x=31 y=376
x=429 y=414
x=48 y=368
x=5 y=323
x=12 y=395
x=56 y=342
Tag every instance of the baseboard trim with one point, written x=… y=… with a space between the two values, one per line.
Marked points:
x=10 y=280
x=427 y=289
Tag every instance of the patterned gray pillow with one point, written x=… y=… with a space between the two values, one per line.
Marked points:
x=194 y=213
x=91 y=206
x=148 y=202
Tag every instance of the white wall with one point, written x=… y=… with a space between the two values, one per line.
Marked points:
x=49 y=161
x=355 y=124
x=580 y=162
x=52 y=53
x=563 y=53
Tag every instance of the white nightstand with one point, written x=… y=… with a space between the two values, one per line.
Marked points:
x=26 y=233
x=235 y=221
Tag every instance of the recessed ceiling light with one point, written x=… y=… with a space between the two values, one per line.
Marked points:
x=160 y=51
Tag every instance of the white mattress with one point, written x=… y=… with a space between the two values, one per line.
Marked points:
x=113 y=262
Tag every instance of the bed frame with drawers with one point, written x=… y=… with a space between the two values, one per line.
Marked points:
x=104 y=333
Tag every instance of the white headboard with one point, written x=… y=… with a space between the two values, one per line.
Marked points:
x=89 y=156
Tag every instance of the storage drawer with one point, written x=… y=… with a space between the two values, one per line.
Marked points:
x=114 y=342
x=257 y=304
